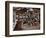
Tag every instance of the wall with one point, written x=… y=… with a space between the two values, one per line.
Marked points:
x=2 y=19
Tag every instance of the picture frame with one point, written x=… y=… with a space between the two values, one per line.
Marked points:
x=14 y=8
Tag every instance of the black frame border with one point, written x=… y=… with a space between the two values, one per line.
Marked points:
x=7 y=18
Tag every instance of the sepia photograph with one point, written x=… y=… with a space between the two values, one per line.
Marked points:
x=24 y=18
